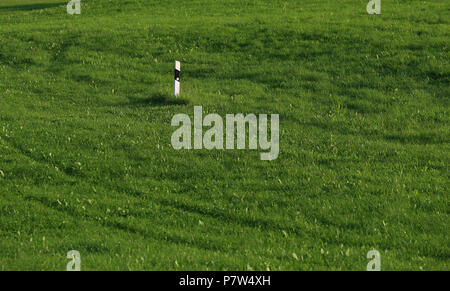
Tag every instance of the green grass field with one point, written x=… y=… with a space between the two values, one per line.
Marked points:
x=86 y=161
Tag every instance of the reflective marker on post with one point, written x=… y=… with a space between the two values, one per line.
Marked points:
x=177 y=78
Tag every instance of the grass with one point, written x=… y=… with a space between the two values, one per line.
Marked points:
x=86 y=161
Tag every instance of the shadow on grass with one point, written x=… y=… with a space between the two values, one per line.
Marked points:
x=156 y=99
x=27 y=7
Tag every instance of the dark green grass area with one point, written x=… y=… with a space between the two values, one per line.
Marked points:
x=86 y=161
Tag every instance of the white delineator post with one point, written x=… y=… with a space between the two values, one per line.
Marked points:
x=177 y=78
